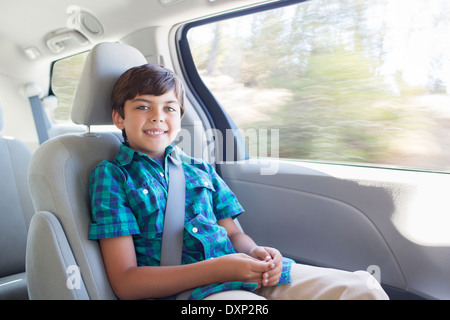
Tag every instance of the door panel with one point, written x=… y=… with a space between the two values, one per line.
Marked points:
x=351 y=218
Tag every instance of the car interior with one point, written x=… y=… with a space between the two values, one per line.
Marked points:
x=338 y=202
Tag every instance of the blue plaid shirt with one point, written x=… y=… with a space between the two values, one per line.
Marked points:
x=128 y=197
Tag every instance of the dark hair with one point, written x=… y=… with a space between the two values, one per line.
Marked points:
x=149 y=79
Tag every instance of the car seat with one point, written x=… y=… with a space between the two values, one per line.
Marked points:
x=16 y=210
x=61 y=262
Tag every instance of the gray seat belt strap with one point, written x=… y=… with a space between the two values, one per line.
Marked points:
x=173 y=231
x=40 y=119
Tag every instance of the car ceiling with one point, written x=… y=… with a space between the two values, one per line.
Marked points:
x=25 y=23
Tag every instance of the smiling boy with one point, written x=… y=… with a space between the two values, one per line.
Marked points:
x=128 y=199
x=152 y=122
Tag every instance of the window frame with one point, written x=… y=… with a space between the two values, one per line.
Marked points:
x=217 y=115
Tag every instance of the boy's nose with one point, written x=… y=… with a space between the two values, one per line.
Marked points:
x=157 y=117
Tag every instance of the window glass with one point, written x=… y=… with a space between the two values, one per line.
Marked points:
x=65 y=76
x=343 y=81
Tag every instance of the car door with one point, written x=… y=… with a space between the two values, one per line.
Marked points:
x=332 y=133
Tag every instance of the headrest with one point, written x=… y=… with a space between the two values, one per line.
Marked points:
x=104 y=65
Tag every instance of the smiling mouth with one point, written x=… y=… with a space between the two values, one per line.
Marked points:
x=154 y=132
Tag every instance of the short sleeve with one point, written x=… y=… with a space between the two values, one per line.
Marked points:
x=111 y=213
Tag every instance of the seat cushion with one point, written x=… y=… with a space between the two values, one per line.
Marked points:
x=14 y=287
x=15 y=211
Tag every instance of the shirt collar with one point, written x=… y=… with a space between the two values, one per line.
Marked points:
x=126 y=154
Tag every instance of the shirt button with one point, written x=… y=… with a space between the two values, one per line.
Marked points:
x=194 y=230
x=161 y=174
x=206 y=183
x=145 y=191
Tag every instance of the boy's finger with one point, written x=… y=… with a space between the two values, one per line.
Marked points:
x=269 y=280
x=275 y=254
x=261 y=266
x=262 y=254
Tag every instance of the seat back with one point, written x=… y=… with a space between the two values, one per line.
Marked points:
x=16 y=210
x=62 y=263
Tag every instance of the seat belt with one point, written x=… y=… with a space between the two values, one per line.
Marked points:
x=173 y=230
x=33 y=93
x=40 y=119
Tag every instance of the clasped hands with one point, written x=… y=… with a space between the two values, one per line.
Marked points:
x=262 y=265
x=274 y=259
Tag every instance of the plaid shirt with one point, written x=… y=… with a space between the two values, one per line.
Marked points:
x=128 y=197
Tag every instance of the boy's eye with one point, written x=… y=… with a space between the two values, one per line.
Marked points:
x=170 y=109
x=142 y=107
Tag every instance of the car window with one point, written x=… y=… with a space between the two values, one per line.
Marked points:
x=353 y=81
x=65 y=76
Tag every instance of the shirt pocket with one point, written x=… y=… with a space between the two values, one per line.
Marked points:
x=145 y=202
x=199 y=197
x=200 y=180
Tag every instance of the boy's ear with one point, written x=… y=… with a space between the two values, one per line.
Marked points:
x=118 y=120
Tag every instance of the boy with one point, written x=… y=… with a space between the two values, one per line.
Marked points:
x=128 y=198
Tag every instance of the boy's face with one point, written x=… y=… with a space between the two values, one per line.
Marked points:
x=151 y=122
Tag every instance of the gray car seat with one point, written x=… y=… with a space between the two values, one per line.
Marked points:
x=16 y=210
x=61 y=262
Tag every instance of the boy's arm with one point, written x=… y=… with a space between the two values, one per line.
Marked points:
x=132 y=282
x=243 y=243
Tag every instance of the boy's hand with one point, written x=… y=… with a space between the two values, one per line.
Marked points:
x=274 y=258
x=242 y=267
x=269 y=257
